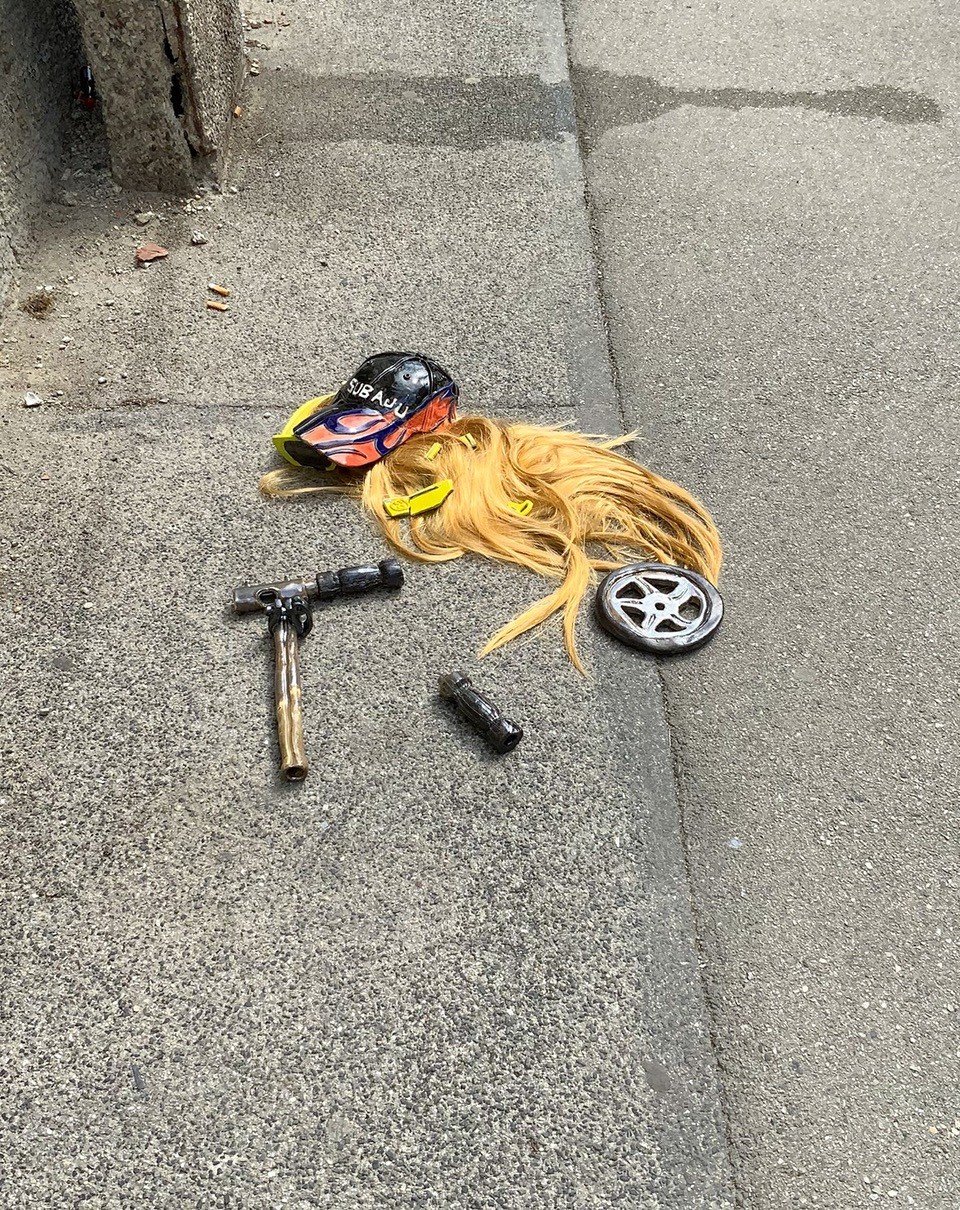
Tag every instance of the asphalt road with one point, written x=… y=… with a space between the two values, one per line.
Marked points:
x=427 y=977
x=775 y=198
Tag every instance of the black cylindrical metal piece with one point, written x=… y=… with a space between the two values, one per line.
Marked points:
x=502 y=733
x=349 y=581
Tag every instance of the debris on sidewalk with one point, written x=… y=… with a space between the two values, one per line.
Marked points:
x=238 y=111
x=150 y=252
x=214 y=304
x=500 y=732
x=39 y=304
x=660 y=609
x=142 y=217
x=288 y=607
x=425 y=500
x=223 y=291
x=32 y=400
x=198 y=239
x=383 y=425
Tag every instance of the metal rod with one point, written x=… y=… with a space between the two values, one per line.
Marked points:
x=288 y=693
x=287 y=606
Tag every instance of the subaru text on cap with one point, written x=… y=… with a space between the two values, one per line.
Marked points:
x=390 y=398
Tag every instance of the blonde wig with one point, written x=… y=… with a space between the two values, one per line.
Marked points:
x=593 y=509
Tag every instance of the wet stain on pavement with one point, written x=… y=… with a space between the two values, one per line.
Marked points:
x=606 y=100
x=471 y=112
x=466 y=112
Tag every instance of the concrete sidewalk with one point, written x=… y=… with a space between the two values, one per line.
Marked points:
x=426 y=977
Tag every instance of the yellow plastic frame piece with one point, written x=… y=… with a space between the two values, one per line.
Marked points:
x=430 y=497
x=433 y=451
x=523 y=508
x=397 y=506
x=303 y=411
x=423 y=501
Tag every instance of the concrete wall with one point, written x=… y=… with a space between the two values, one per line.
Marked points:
x=40 y=66
x=211 y=49
x=168 y=74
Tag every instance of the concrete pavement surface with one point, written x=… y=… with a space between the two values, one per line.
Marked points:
x=425 y=977
x=775 y=195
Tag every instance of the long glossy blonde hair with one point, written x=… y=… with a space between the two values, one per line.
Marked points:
x=593 y=509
